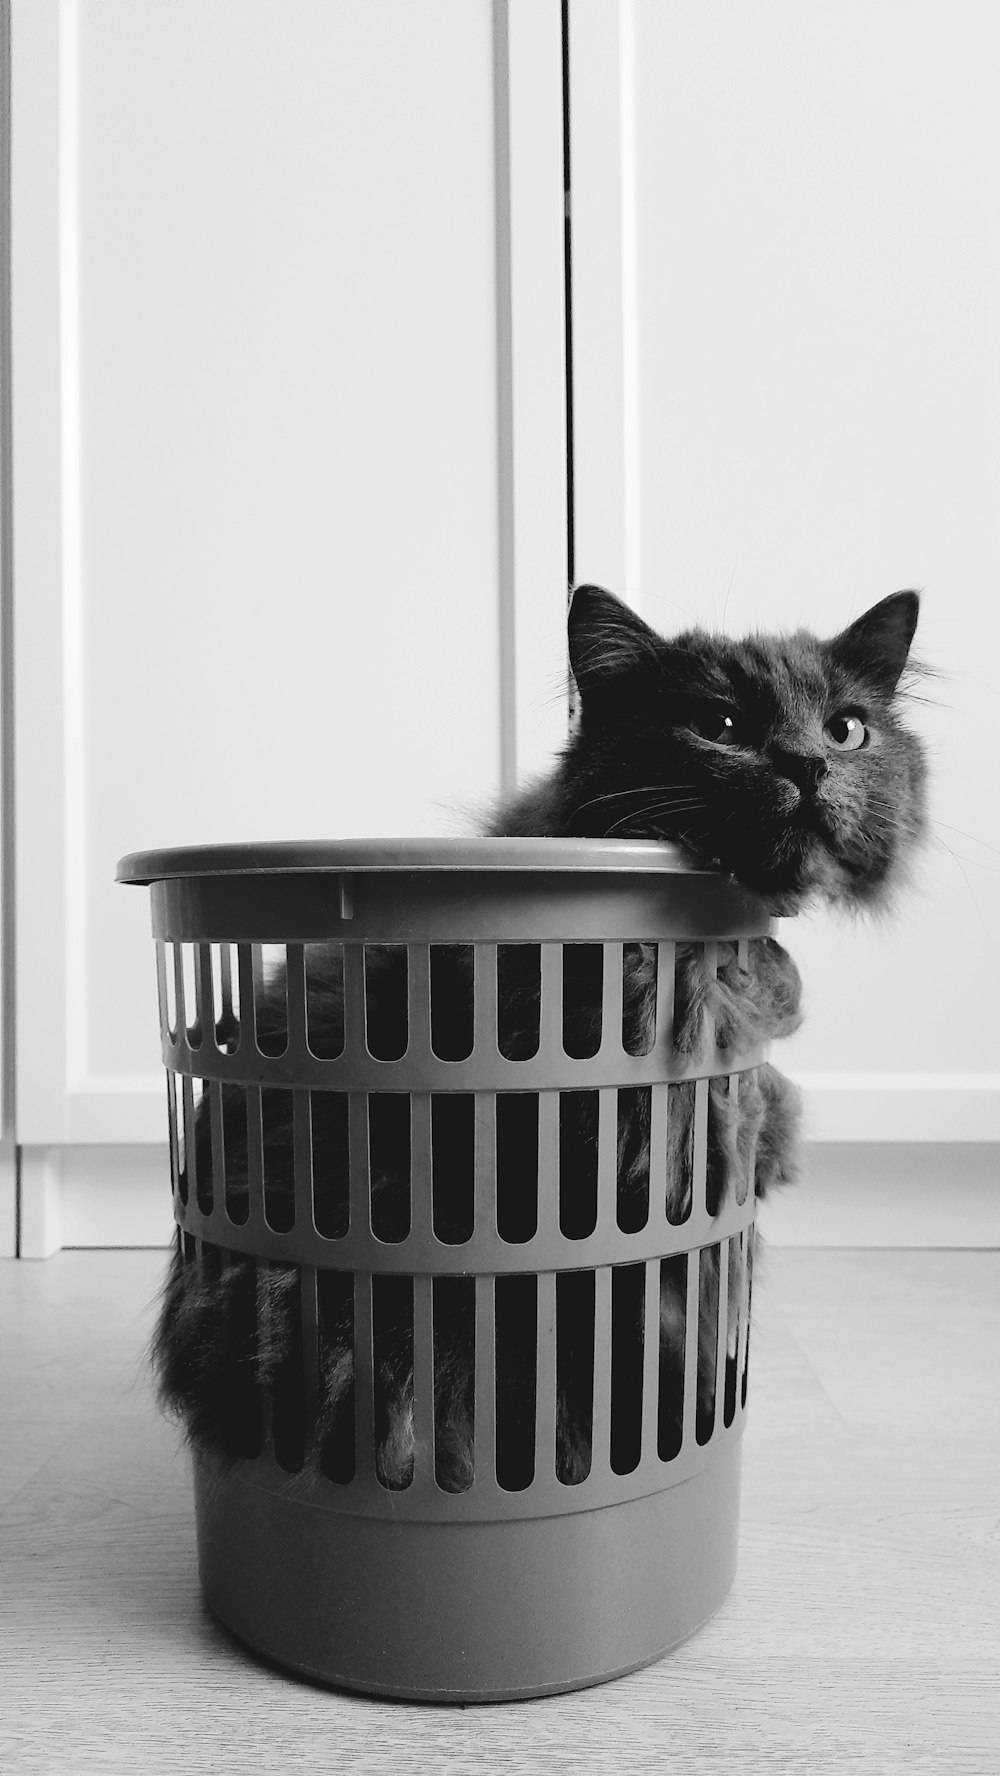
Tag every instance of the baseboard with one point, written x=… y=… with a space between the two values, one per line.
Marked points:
x=913 y=1193
x=900 y=1107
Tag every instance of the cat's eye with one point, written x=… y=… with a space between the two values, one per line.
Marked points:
x=722 y=726
x=847 y=730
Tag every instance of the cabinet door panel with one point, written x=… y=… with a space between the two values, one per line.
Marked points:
x=273 y=353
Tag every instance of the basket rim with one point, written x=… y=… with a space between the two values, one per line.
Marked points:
x=406 y=856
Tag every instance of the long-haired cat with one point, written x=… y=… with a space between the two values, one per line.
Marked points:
x=780 y=761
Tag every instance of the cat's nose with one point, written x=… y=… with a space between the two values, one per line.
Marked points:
x=806 y=770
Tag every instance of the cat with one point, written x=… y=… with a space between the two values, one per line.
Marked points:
x=782 y=763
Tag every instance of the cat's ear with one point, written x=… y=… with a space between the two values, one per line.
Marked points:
x=606 y=639
x=876 y=646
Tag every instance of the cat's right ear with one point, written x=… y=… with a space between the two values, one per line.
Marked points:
x=606 y=639
x=877 y=645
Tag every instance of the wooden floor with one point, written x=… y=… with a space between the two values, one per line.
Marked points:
x=862 y=1634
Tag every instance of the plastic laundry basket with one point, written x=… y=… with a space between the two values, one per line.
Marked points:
x=496 y=1591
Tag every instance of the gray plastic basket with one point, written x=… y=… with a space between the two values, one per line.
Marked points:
x=488 y=1593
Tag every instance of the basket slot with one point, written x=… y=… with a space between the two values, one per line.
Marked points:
x=624 y=1353
x=180 y=1019
x=710 y=1293
x=456 y=1400
x=578 y=1163
x=255 y=1157
x=453 y=1165
x=389 y=1158
x=324 y=990
x=640 y=998
x=236 y=1128
x=201 y=1146
x=517 y=1310
x=270 y=998
x=225 y=998
x=679 y=1152
x=634 y=1132
x=277 y=1157
x=339 y=1367
x=584 y=980
x=386 y=993
x=166 y=993
x=203 y=988
x=517 y=1013
x=512 y=1131
x=330 y=1140
x=392 y=1322
x=287 y=1396
x=574 y=1406
x=174 y=1135
x=452 y=1014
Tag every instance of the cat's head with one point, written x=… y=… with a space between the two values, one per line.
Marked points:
x=779 y=760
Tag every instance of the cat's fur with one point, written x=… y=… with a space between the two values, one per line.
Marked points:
x=745 y=754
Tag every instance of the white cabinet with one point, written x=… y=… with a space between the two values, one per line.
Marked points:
x=786 y=328
x=289 y=492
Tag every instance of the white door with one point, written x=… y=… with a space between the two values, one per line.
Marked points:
x=786 y=333
x=289 y=483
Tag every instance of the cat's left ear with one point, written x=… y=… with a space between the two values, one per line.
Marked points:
x=876 y=646
x=607 y=641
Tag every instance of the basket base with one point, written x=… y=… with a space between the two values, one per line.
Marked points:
x=467 y=1612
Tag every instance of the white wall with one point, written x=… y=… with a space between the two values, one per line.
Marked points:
x=808 y=199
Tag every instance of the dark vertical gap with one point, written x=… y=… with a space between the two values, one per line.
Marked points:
x=709 y=1260
x=673 y=1338
x=454 y=1381
x=568 y=297
x=516 y=1380
x=574 y=1375
x=392 y=1358
x=628 y=1291
x=517 y=1166
x=453 y=1164
x=578 y=1121
x=335 y=1425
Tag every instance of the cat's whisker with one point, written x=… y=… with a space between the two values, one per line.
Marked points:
x=619 y=795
